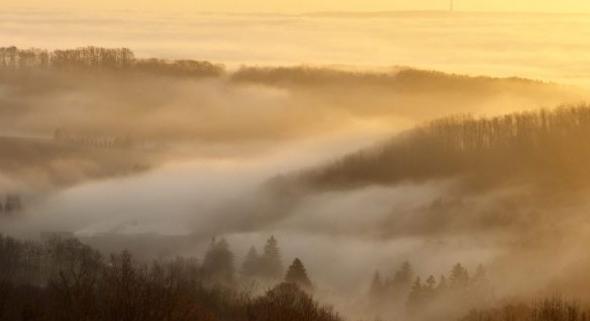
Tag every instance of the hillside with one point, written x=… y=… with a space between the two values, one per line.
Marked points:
x=541 y=147
x=43 y=163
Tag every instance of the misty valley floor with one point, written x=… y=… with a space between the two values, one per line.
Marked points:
x=135 y=188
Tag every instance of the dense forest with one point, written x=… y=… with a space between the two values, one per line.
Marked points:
x=12 y=58
x=547 y=147
x=63 y=279
x=400 y=79
x=155 y=156
x=123 y=59
x=60 y=278
x=112 y=114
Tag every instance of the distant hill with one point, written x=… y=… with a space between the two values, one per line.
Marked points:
x=545 y=148
x=400 y=78
x=47 y=163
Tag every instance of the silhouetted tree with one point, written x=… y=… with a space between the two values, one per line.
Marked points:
x=416 y=295
x=270 y=261
x=399 y=285
x=287 y=302
x=251 y=264
x=297 y=274
x=218 y=264
x=459 y=276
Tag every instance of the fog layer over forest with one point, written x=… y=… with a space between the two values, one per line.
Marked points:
x=352 y=171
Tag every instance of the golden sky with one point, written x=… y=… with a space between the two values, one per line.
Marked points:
x=293 y=6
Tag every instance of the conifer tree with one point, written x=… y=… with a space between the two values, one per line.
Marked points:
x=271 y=265
x=251 y=264
x=297 y=274
x=480 y=274
x=459 y=276
x=415 y=298
x=430 y=282
x=402 y=280
x=218 y=264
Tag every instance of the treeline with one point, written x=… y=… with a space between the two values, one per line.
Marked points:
x=13 y=58
x=545 y=146
x=400 y=79
x=552 y=309
x=423 y=297
x=64 y=136
x=218 y=266
x=62 y=279
x=404 y=79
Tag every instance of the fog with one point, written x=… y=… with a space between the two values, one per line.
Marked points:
x=352 y=162
x=214 y=156
x=541 y=46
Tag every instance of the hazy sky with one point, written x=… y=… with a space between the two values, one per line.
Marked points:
x=310 y=5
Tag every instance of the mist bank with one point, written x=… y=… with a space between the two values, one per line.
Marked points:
x=538 y=46
x=164 y=111
x=544 y=148
x=161 y=162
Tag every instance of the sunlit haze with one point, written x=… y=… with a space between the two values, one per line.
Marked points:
x=302 y=160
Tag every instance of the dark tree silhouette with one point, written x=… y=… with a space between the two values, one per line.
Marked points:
x=287 y=302
x=416 y=297
x=251 y=264
x=547 y=147
x=297 y=274
x=218 y=264
x=96 y=58
x=270 y=261
x=459 y=276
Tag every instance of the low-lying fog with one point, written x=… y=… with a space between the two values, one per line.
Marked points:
x=161 y=164
x=541 y=46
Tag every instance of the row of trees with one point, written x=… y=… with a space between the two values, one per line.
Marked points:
x=267 y=265
x=64 y=136
x=63 y=279
x=13 y=58
x=402 y=80
x=415 y=294
x=551 y=309
x=540 y=145
x=218 y=266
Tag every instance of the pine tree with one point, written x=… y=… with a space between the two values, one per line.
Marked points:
x=402 y=280
x=404 y=275
x=430 y=282
x=430 y=289
x=218 y=264
x=416 y=296
x=297 y=274
x=271 y=265
x=459 y=276
x=251 y=265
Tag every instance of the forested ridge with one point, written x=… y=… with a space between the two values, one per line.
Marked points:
x=61 y=278
x=124 y=59
x=547 y=146
x=13 y=58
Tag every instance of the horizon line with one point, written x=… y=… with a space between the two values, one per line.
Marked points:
x=9 y=8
